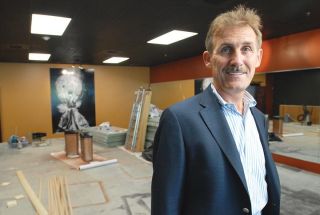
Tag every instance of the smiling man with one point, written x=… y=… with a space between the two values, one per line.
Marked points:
x=211 y=151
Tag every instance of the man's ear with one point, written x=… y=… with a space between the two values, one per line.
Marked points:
x=206 y=59
x=259 y=57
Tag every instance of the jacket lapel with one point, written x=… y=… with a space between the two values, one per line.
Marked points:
x=216 y=122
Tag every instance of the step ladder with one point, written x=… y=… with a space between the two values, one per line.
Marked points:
x=135 y=137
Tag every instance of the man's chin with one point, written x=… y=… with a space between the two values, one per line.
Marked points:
x=236 y=89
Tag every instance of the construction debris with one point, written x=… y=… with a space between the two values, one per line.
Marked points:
x=17 y=197
x=5 y=183
x=11 y=203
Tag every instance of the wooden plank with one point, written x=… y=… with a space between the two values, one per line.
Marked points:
x=33 y=197
x=143 y=122
x=68 y=197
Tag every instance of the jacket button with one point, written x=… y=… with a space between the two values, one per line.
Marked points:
x=245 y=210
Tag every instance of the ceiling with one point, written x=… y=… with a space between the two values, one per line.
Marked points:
x=103 y=28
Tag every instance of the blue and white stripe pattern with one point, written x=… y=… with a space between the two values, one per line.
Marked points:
x=246 y=136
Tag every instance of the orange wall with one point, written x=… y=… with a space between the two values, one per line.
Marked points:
x=26 y=102
x=189 y=68
x=293 y=52
x=166 y=94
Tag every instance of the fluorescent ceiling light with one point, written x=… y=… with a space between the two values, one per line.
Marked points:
x=39 y=56
x=172 y=37
x=49 y=25
x=115 y=60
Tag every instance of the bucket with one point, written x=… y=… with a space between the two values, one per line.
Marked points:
x=86 y=146
x=71 y=143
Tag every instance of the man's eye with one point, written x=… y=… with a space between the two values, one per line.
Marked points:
x=247 y=49
x=226 y=50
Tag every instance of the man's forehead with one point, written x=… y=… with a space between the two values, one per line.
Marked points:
x=236 y=32
x=243 y=35
x=233 y=43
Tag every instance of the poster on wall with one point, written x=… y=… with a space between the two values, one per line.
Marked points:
x=72 y=99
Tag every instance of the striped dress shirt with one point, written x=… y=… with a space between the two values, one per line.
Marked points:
x=246 y=136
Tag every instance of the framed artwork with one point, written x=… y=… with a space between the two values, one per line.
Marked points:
x=72 y=99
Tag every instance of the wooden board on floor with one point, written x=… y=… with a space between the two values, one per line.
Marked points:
x=75 y=162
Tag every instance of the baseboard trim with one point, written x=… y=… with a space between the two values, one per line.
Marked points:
x=301 y=164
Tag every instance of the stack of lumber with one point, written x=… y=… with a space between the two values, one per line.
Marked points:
x=58 y=196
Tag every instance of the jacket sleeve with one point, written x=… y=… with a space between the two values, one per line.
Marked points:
x=169 y=167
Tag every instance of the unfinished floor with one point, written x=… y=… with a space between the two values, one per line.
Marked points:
x=298 y=141
x=122 y=188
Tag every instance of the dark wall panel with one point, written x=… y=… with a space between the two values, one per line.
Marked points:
x=296 y=88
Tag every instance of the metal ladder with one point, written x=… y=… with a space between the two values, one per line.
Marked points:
x=131 y=138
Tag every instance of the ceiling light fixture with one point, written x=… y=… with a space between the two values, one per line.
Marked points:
x=49 y=25
x=115 y=60
x=46 y=38
x=39 y=56
x=172 y=37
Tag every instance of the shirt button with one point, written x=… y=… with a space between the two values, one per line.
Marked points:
x=245 y=210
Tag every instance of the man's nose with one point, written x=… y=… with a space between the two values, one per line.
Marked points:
x=236 y=58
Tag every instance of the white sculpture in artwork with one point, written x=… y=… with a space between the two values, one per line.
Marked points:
x=69 y=91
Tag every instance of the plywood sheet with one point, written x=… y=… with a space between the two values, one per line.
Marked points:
x=75 y=162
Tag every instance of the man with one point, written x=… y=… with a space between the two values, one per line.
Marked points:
x=211 y=151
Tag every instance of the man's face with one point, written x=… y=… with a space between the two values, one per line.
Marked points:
x=234 y=58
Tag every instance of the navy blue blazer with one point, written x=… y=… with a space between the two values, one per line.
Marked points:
x=197 y=168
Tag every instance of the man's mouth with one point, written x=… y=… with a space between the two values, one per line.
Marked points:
x=234 y=71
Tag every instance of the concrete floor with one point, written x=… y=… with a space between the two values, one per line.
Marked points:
x=122 y=188
x=126 y=183
x=300 y=191
x=304 y=146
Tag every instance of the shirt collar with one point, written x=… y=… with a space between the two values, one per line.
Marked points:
x=248 y=99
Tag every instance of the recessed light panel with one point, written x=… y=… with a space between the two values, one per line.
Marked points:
x=115 y=60
x=39 y=56
x=49 y=25
x=172 y=37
